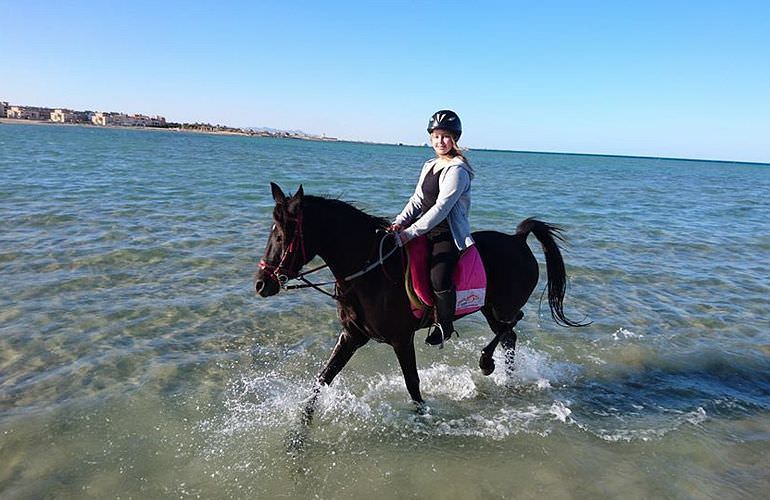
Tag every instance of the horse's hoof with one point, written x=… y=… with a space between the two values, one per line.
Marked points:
x=487 y=364
x=420 y=408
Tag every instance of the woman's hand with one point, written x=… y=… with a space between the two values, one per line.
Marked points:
x=395 y=228
x=401 y=238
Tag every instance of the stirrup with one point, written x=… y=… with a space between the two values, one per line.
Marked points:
x=437 y=336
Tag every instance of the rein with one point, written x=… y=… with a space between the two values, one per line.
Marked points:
x=336 y=296
x=310 y=284
x=378 y=262
x=283 y=278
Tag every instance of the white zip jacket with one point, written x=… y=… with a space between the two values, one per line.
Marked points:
x=453 y=203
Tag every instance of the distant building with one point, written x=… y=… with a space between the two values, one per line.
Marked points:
x=137 y=120
x=3 y=107
x=70 y=116
x=82 y=116
x=13 y=112
x=157 y=121
x=29 y=113
x=63 y=116
x=101 y=118
x=124 y=120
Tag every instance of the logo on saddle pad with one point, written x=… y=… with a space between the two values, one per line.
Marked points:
x=470 y=279
x=471 y=299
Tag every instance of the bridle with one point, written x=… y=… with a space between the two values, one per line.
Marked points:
x=284 y=272
x=287 y=267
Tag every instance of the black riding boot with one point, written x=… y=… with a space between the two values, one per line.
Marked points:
x=445 y=315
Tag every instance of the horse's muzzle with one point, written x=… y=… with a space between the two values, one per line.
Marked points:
x=265 y=287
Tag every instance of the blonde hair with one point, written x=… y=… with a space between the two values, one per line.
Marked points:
x=458 y=151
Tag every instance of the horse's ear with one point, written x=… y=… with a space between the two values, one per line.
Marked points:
x=300 y=193
x=278 y=195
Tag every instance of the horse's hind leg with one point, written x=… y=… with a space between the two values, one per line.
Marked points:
x=505 y=334
x=509 y=348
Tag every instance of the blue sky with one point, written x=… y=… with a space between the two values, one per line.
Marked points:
x=680 y=79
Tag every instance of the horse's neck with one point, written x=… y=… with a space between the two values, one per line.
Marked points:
x=345 y=246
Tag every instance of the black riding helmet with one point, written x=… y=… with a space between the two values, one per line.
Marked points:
x=446 y=119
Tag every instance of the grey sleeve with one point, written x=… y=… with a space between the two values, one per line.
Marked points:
x=410 y=211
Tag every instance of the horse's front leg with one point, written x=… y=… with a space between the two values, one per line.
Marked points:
x=408 y=361
x=347 y=344
x=349 y=341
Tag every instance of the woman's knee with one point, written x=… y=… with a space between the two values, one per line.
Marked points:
x=441 y=277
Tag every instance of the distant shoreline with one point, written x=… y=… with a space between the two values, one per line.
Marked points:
x=22 y=121
x=16 y=121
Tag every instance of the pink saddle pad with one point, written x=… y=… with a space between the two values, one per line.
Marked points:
x=470 y=279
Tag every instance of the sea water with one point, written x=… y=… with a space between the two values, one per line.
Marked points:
x=136 y=360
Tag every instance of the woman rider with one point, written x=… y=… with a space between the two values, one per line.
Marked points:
x=439 y=209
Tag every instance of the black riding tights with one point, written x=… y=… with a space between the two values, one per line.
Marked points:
x=443 y=259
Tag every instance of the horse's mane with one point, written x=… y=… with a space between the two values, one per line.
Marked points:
x=348 y=209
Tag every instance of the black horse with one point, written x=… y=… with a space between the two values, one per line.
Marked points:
x=371 y=299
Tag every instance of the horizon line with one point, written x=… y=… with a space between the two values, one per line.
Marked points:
x=609 y=155
x=400 y=144
x=615 y=155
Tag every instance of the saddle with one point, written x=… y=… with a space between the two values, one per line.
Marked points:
x=470 y=279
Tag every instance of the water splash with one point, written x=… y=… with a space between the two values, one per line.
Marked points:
x=460 y=401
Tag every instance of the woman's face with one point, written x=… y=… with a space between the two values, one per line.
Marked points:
x=442 y=141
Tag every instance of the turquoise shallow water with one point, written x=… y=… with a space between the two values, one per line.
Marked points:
x=135 y=359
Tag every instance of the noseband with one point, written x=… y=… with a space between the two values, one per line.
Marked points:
x=288 y=267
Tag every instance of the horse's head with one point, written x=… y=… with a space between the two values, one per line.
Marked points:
x=286 y=251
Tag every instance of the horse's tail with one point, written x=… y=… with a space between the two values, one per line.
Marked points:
x=547 y=235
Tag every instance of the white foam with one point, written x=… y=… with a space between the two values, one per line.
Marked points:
x=622 y=333
x=629 y=435
x=560 y=411
x=532 y=369
x=337 y=401
x=696 y=416
x=658 y=431
x=500 y=424
x=448 y=382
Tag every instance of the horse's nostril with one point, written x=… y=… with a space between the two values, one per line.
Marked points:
x=259 y=285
